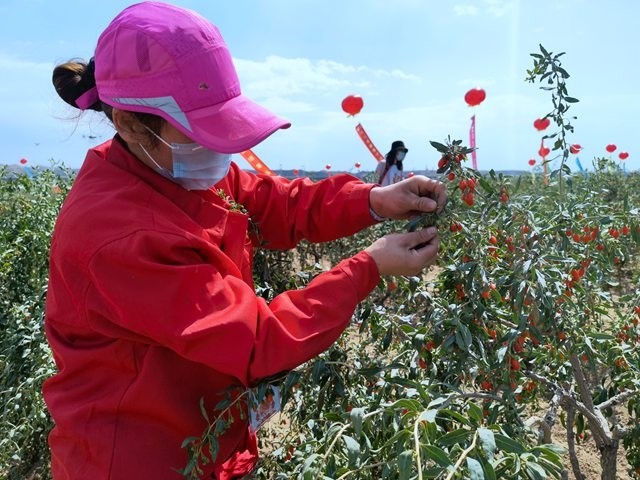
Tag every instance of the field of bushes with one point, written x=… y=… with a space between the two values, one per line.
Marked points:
x=514 y=355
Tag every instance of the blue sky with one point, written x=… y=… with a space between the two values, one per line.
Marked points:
x=411 y=61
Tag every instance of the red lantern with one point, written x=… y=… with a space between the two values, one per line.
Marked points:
x=541 y=124
x=358 y=164
x=611 y=148
x=23 y=161
x=575 y=148
x=352 y=104
x=543 y=152
x=296 y=172
x=475 y=96
x=328 y=166
x=532 y=162
x=411 y=174
x=623 y=155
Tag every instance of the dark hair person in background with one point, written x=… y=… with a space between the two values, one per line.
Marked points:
x=390 y=171
x=151 y=307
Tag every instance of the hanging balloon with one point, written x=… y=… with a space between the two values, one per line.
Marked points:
x=475 y=96
x=543 y=152
x=611 y=148
x=532 y=162
x=352 y=104
x=575 y=148
x=23 y=161
x=328 y=166
x=623 y=155
x=541 y=124
x=358 y=165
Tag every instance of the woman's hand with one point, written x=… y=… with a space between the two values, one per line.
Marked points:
x=405 y=253
x=408 y=198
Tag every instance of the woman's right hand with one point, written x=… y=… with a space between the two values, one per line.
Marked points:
x=405 y=253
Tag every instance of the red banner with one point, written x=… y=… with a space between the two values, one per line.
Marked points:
x=368 y=143
x=257 y=164
x=472 y=142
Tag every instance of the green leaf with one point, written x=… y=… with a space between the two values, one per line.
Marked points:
x=405 y=462
x=437 y=455
x=475 y=412
x=454 y=437
x=501 y=353
x=203 y=410
x=571 y=100
x=601 y=336
x=489 y=471
x=508 y=445
x=357 y=416
x=308 y=470
x=487 y=187
x=488 y=442
x=187 y=441
x=439 y=147
x=476 y=472
x=428 y=416
x=535 y=471
x=353 y=450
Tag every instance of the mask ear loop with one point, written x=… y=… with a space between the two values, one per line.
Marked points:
x=161 y=170
x=159 y=138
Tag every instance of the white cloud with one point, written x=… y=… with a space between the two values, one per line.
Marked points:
x=496 y=8
x=465 y=10
x=285 y=77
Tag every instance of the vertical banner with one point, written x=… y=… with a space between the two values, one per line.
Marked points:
x=580 y=167
x=257 y=164
x=472 y=142
x=368 y=143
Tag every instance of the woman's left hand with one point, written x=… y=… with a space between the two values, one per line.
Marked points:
x=408 y=198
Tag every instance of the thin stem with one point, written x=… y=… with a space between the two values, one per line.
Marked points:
x=462 y=457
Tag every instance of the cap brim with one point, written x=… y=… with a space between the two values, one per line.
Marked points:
x=232 y=126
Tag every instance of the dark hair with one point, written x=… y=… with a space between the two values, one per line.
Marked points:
x=76 y=77
x=390 y=159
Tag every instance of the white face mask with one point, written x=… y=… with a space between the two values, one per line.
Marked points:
x=400 y=155
x=194 y=166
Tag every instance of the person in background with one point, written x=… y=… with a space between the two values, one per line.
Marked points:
x=390 y=171
x=151 y=311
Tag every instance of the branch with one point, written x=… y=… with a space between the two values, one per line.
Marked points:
x=597 y=422
x=571 y=444
x=583 y=387
x=617 y=399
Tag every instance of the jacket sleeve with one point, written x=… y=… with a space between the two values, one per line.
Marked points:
x=287 y=211
x=160 y=290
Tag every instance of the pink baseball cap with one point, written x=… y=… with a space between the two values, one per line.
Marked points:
x=169 y=61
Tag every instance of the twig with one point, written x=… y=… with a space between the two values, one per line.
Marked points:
x=363 y=467
x=342 y=430
x=462 y=457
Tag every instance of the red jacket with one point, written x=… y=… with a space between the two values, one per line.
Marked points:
x=151 y=308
